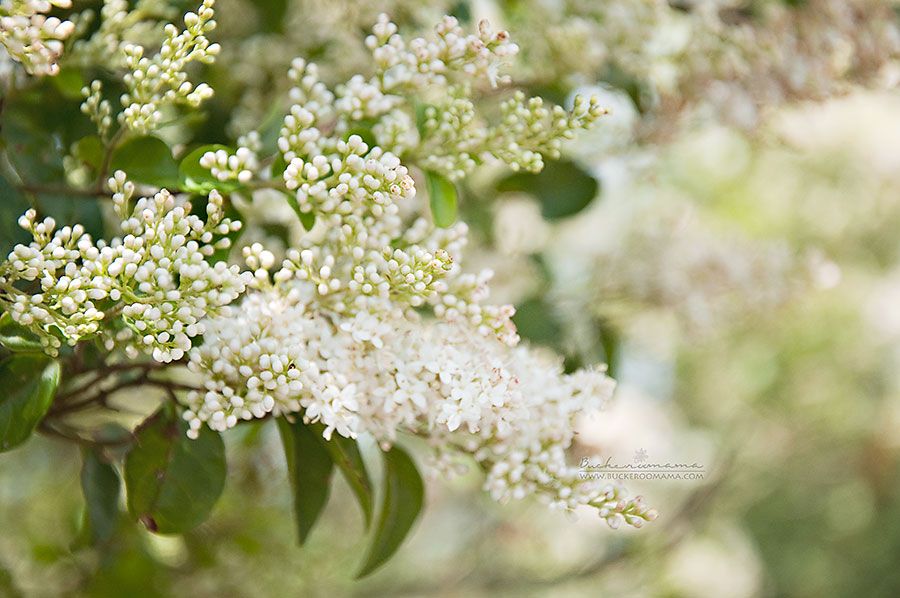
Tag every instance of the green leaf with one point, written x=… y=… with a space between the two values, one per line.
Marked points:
x=29 y=381
x=309 y=470
x=197 y=179
x=17 y=338
x=69 y=82
x=443 y=197
x=404 y=494
x=90 y=151
x=12 y=205
x=146 y=160
x=563 y=188
x=173 y=482
x=271 y=15
x=307 y=219
x=100 y=485
x=345 y=454
x=278 y=167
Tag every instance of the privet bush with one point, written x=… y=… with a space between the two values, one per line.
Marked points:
x=140 y=274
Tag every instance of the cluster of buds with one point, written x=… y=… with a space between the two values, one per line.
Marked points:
x=33 y=38
x=160 y=80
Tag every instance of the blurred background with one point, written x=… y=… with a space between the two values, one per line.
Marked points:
x=727 y=240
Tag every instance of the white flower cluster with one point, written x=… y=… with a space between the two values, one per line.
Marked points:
x=161 y=80
x=119 y=21
x=155 y=277
x=239 y=166
x=423 y=63
x=454 y=138
x=367 y=259
x=511 y=409
x=454 y=135
x=31 y=37
x=730 y=58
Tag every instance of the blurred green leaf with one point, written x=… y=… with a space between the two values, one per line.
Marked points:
x=278 y=166
x=90 y=151
x=100 y=485
x=309 y=467
x=404 y=495
x=12 y=205
x=17 y=338
x=536 y=321
x=69 y=82
x=271 y=15
x=8 y=586
x=37 y=127
x=443 y=198
x=173 y=482
x=562 y=187
x=146 y=160
x=345 y=454
x=29 y=381
x=307 y=219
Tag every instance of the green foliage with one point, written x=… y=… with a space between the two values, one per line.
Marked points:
x=89 y=150
x=307 y=219
x=100 y=485
x=29 y=381
x=146 y=160
x=345 y=454
x=12 y=205
x=309 y=467
x=404 y=495
x=442 y=196
x=173 y=482
x=536 y=321
x=15 y=337
x=563 y=187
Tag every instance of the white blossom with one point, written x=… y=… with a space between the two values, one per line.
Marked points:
x=156 y=276
x=513 y=410
x=33 y=38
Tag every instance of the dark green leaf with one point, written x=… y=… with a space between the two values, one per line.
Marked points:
x=278 y=167
x=173 y=482
x=443 y=198
x=100 y=484
x=309 y=467
x=563 y=188
x=146 y=160
x=8 y=586
x=69 y=82
x=12 y=205
x=404 y=494
x=611 y=344
x=345 y=454
x=39 y=125
x=90 y=151
x=17 y=338
x=307 y=219
x=537 y=321
x=29 y=381
x=271 y=15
